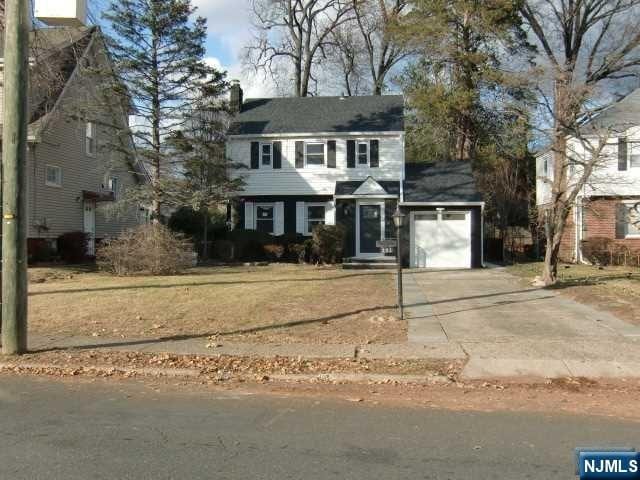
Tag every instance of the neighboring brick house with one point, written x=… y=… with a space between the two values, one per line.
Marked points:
x=608 y=206
x=74 y=169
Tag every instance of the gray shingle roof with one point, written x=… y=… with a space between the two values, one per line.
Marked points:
x=440 y=182
x=621 y=115
x=320 y=114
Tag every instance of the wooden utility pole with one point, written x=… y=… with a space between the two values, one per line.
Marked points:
x=14 y=168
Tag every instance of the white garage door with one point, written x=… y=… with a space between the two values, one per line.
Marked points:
x=441 y=240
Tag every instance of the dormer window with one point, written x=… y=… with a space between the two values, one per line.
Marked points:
x=266 y=154
x=90 y=139
x=363 y=153
x=314 y=153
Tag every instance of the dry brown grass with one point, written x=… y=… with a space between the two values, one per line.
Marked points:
x=277 y=303
x=614 y=289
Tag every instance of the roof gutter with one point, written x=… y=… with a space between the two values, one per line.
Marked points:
x=446 y=204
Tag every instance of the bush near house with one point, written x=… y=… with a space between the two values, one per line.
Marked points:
x=149 y=249
x=328 y=243
x=73 y=247
x=606 y=251
x=39 y=250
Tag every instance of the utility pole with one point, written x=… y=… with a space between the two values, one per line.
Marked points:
x=14 y=168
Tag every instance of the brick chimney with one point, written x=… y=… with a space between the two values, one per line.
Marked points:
x=235 y=97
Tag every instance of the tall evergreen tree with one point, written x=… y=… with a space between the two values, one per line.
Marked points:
x=158 y=50
x=461 y=43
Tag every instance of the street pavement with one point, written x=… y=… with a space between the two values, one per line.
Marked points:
x=52 y=429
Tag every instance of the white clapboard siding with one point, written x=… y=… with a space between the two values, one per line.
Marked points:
x=310 y=180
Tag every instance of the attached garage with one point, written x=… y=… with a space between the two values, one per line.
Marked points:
x=444 y=217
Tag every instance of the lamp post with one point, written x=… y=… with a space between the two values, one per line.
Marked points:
x=398 y=221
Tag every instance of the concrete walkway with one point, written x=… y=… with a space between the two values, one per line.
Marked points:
x=502 y=327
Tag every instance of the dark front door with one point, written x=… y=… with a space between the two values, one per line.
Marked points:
x=370 y=228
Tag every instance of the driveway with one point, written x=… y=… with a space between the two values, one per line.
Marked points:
x=494 y=315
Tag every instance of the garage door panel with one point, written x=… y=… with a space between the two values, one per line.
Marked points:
x=442 y=241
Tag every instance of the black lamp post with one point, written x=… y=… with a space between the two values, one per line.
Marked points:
x=398 y=221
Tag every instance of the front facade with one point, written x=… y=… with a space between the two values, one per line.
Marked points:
x=608 y=206
x=75 y=172
x=324 y=160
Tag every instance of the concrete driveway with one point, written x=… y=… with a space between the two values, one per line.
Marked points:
x=496 y=316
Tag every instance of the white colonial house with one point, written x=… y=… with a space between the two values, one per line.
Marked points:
x=327 y=160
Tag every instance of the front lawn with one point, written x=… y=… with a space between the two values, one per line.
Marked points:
x=615 y=289
x=276 y=303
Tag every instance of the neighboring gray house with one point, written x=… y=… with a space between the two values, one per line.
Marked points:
x=340 y=160
x=74 y=168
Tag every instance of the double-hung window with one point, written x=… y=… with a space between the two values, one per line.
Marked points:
x=314 y=153
x=634 y=155
x=265 y=218
x=363 y=153
x=113 y=186
x=632 y=219
x=53 y=176
x=90 y=138
x=266 y=154
x=314 y=215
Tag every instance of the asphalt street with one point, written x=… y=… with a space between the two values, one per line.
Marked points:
x=52 y=429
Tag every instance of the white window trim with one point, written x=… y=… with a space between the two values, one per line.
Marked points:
x=306 y=215
x=631 y=203
x=368 y=144
x=271 y=205
x=90 y=126
x=46 y=176
x=261 y=165
x=324 y=154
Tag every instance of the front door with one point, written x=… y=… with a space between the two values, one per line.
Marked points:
x=90 y=226
x=371 y=225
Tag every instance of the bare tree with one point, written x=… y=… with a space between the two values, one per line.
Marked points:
x=585 y=45
x=383 y=51
x=347 y=58
x=296 y=31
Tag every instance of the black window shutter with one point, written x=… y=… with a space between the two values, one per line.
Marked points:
x=277 y=154
x=622 y=216
x=374 y=160
x=299 y=154
x=331 y=154
x=622 y=153
x=255 y=155
x=351 y=154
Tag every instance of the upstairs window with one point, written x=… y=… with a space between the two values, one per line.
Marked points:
x=113 y=186
x=363 y=153
x=266 y=154
x=53 y=176
x=314 y=153
x=90 y=139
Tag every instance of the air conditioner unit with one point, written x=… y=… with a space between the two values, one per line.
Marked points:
x=62 y=13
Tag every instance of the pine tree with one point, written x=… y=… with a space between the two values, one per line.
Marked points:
x=158 y=51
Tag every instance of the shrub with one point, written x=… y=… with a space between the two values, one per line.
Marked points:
x=73 y=247
x=223 y=250
x=149 y=249
x=598 y=250
x=274 y=252
x=328 y=243
x=39 y=250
